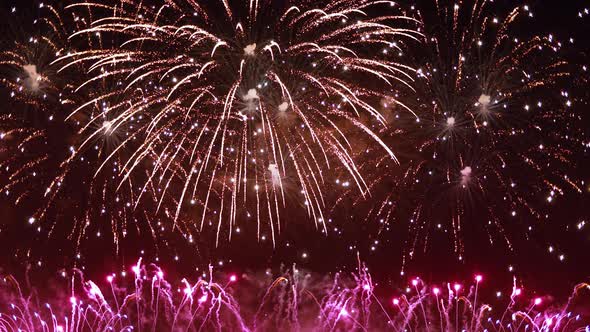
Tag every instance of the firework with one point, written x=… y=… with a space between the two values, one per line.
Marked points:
x=143 y=299
x=172 y=117
x=492 y=143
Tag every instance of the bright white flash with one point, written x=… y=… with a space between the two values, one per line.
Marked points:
x=484 y=100
x=251 y=95
x=465 y=175
x=33 y=78
x=250 y=50
x=283 y=107
x=274 y=174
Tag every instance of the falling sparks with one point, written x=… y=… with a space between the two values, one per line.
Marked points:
x=226 y=121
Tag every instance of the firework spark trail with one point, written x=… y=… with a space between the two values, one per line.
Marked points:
x=294 y=301
x=494 y=130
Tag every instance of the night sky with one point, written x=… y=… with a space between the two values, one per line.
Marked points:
x=353 y=226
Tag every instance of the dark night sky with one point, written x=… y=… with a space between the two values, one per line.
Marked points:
x=537 y=268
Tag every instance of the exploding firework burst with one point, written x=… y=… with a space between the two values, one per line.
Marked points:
x=217 y=104
x=495 y=131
